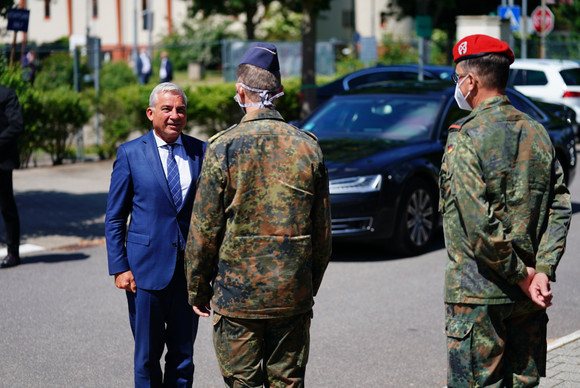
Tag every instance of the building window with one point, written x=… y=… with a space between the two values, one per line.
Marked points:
x=95 y=8
x=47 y=9
x=347 y=18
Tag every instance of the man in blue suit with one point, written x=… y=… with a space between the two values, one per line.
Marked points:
x=146 y=254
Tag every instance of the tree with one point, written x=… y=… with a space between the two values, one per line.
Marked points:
x=5 y=5
x=443 y=13
x=232 y=7
x=310 y=10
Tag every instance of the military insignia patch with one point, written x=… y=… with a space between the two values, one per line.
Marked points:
x=449 y=148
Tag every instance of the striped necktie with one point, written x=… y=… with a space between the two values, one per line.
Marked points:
x=173 y=176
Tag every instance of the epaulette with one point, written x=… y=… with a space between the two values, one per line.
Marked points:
x=456 y=126
x=217 y=135
x=303 y=130
x=310 y=134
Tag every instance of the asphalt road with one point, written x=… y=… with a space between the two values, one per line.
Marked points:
x=378 y=319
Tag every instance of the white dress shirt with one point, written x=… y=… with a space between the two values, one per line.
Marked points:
x=180 y=158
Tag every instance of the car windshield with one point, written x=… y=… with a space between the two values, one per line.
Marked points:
x=571 y=76
x=393 y=117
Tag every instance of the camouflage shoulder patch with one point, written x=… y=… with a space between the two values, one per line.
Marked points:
x=217 y=135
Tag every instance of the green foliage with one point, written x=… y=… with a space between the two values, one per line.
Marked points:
x=397 y=52
x=5 y=5
x=62 y=113
x=213 y=108
x=123 y=112
x=28 y=99
x=210 y=109
x=114 y=75
x=58 y=71
x=198 y=41
x=289 y=104
x=279 y=24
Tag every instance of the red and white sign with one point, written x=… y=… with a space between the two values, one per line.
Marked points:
x=543 y=22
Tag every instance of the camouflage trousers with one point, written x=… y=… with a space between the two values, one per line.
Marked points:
x=495 y=345
x=262 y=352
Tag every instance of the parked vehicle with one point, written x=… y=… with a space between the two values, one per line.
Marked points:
x=380 y=73
x=550 y=80
x=383 y=146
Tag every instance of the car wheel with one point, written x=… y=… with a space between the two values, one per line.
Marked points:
x=416 y=218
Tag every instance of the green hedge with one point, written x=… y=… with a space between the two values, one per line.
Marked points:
x=210 y=109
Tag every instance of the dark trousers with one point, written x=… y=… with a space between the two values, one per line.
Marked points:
x=158 y=319
x=9 y=212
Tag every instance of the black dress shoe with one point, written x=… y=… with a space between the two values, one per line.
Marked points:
x=10 y=261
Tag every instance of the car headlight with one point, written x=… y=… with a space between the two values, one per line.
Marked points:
x=357 y=184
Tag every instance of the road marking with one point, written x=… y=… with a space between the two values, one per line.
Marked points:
x=24 y=248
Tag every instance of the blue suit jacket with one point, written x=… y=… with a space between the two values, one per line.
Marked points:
x=148 y=246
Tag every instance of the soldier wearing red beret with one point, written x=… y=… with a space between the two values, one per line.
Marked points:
x=506 y=214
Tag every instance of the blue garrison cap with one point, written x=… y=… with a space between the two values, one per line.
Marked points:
x=262 y=55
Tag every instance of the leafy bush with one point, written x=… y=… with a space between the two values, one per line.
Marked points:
x=28 y=99
x=62 y=113
x=57 y=71
x=209 y=108
x=114 y=75
x=199 y=41
x=123 y=112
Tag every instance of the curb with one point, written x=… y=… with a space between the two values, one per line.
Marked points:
x=563 y=341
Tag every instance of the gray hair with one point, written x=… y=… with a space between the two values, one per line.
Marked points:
x=165 y=87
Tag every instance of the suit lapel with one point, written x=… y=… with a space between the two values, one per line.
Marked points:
x=193 y=163
x=152 y=157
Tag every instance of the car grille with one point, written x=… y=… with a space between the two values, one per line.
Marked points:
x=352 y=225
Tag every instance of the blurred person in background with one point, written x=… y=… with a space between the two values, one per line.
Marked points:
x=143 y=67
x=165 y=68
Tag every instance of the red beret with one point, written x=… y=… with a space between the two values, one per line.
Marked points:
x=474 y=46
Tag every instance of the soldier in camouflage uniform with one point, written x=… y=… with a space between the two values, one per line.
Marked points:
x=506 y=214
x=260 y=240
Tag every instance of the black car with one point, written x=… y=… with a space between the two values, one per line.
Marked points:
x=380 y=73
x=383 y=146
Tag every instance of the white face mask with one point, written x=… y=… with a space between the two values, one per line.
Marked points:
x=461 y=100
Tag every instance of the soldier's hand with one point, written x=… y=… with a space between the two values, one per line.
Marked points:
x=202 y=311
x=525 y=284
x=540 y=291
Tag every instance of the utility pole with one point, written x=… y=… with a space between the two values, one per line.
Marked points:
x=524 y=28
x=543 y=33
x=134 y=53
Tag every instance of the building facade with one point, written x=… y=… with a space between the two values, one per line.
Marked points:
x=121 y=25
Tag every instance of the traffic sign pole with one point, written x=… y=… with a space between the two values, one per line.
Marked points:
x=543 y=31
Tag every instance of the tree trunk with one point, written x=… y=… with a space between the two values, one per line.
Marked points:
x=308 y=59
x=250 y=25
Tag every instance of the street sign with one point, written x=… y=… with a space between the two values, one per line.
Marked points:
x=512 y=14
x=424 y=28
x=18 y=19
x=547 y=23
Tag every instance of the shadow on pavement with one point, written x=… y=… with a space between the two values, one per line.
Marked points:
x=363 y=251
x=53 y=258
x=45 y=213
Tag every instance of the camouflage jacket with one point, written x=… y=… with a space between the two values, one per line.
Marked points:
x=504 y=204
x=260 y=239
